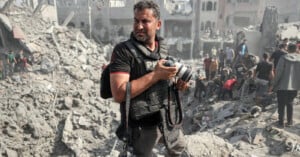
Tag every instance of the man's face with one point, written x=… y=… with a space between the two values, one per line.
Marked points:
x=145 y=25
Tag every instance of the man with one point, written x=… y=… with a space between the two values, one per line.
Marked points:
x=228 y=87
x=222 y=57
x=278 y=53
x=146 y=80
x=207 y=62
x=286 y=83
x=229 y=53
x=199 y=87
x=242 y=50
x=213 y=68
x=11 y=61
x=264 y=74
x=213 y=52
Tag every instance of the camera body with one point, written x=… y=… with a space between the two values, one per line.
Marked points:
x=184 y=73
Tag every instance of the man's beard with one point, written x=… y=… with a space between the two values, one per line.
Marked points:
x=143 y=39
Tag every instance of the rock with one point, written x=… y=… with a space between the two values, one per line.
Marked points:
x=68 y=102
x=258 y=138
x=11 y=153
x=207 y=144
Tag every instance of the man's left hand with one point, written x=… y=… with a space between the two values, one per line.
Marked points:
x=181 y=85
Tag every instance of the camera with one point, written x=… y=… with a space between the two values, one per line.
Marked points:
x=184 y=73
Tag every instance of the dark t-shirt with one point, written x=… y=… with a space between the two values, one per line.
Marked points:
x=222 y=57
x=263 y=70
x=207 y=62
x=276 y=56
x=122 y=60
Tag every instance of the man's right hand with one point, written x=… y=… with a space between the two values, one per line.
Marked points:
x=163 y=72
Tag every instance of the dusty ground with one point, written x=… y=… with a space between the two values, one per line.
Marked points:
x=55 y=109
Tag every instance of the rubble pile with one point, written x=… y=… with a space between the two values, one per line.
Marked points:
x=55 y=109
x=248 y=128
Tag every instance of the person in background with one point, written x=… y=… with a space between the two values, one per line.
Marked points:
x=207 y=62
x=213 y=68
x=264 y=74
x=222 y=57
x=147 y=82
x=242 y=50
x=278 y=53
x=11 y=61
x=199 y=88
x=213 y=52
x=229 y=52
x=228 y=87
x=285 y=41
x=1 y=69
x=287 y=84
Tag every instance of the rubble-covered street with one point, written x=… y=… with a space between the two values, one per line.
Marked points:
x=54 y=109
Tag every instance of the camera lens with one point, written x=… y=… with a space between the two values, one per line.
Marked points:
x=183 y=72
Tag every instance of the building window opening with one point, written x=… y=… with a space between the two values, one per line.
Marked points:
x=203 y=6
x=202 y=26
x=243 y=1
x=286 y=20
x=208 y=25
x=72 y=25
x=209 y=6
x=215 y=5
x=117 y=3
x=82 y=24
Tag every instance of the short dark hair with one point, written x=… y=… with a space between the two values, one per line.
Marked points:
x=283 y=45
x=292 y=47
x=265 y=55
x=141 y=5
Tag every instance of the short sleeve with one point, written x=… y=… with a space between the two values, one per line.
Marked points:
x=120 y=59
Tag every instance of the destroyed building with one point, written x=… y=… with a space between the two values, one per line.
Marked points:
x=287 y=12
x=54 y=109
x=185 y=22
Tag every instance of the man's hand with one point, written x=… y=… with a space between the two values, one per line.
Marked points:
x=163 y=72
x=181 y=85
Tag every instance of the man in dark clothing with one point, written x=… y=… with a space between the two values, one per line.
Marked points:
x=278 y=53
x=148 y=81
x=207 y=62
x=263 y=73
x=287 y=84
x=11 y=61
x=222 y=57
x=199 y=88
x=241 y=51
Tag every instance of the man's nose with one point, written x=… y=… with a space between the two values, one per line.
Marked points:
x=139 y=25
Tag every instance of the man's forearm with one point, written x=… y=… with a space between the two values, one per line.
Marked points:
x=141 y=84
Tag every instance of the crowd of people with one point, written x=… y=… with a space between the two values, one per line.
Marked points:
x=237 y=70
x=224 y=71
x=11 y=62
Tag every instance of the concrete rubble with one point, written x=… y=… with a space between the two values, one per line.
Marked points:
x=55 y=109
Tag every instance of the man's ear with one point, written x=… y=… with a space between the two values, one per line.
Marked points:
x=158 y=25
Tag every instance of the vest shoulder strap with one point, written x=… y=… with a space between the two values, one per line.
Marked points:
x=163 y=48
x=133 y=50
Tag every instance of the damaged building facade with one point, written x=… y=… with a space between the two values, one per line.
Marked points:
x=111 y=21
x=191 y=27
x=285 y=13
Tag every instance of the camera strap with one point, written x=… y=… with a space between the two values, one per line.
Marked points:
x=178 y=115
x=127 y=134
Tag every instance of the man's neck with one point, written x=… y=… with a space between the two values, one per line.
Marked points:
x=150 y=45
